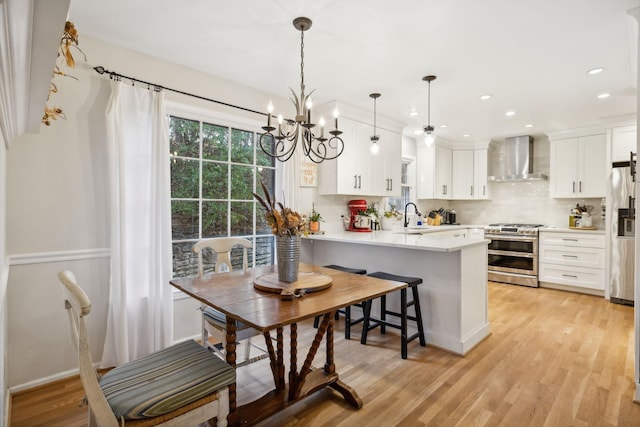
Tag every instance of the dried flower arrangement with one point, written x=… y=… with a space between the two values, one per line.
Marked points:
x=69 y=39
x=283 y=220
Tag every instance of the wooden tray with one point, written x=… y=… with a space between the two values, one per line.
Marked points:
x=583 y=228
x=307 y=281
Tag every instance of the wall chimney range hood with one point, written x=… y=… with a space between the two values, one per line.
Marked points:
x=516 y=161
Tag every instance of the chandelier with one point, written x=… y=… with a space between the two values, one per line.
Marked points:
x=429 y=138
x=282 y=143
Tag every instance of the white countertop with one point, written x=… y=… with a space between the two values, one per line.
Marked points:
x=426 y=240
x=571 y=230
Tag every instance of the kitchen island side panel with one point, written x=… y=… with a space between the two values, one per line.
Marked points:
x=453 y=295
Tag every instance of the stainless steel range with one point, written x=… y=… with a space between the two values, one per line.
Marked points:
x=513 y=253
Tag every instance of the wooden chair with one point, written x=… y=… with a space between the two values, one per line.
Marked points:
x=213 y=321
x=184 y=384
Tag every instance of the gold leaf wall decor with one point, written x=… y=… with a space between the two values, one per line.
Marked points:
x=69 y=39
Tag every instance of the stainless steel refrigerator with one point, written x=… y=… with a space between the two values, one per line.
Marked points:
x=622 y=220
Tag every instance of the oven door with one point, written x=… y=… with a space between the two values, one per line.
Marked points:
x=513 y=254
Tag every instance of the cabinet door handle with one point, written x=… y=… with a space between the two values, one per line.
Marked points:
x=571 y=276
x=569 y=256
x=355 y=181
x=359 y=181
x=580 y=186
x=574 y=187
x=569 y=240
x=484 y=190
x=390 y=184
x=471 y=188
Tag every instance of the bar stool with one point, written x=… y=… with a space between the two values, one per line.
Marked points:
x=347 y=310
x=372 y=323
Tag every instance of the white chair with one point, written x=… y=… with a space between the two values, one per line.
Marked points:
x=213 y=321
x=182 y=385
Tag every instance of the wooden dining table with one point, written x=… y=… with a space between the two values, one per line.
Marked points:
x=235 y=295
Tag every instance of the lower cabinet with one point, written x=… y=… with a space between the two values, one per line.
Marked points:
x=572 y=259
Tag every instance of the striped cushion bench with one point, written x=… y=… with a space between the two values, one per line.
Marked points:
x=165 y=381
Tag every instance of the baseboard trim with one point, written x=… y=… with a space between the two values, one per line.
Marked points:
x=44 y=381
x=58 y=256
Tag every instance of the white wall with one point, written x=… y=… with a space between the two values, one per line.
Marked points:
x=57 y=208
x=4 y=273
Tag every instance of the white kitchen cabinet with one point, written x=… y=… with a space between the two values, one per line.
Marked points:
x=348 y=173
x=387 y=164
x=358 y=171
x=572 y=259
x=433 y=172
x=623 y=142
x=578 y=166
x=469 y=174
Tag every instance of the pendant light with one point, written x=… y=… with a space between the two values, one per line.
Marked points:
x=429 y=137
x=316 y=146
x=375 y=147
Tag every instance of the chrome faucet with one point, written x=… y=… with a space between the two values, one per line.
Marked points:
x=406 y=220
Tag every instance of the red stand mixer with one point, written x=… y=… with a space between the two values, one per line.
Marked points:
x=358 y=222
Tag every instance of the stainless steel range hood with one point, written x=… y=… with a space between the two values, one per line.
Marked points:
x=516 y=161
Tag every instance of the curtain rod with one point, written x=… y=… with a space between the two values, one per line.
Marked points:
x=113 y=75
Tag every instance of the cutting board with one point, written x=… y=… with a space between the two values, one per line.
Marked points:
x=307 y=281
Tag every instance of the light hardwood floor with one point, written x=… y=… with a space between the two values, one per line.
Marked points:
x=554 y=358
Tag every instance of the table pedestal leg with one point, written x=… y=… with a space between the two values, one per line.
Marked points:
x=230 y=354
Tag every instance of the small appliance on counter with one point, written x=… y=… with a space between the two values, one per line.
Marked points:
x=450 y=217
x=358 y=222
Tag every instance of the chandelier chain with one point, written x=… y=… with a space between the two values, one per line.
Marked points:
x=302 y=61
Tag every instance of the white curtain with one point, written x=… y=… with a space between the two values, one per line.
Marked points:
x=140 y=306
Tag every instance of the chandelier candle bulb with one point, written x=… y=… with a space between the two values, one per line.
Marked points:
x=270 y=110
x=335 y=118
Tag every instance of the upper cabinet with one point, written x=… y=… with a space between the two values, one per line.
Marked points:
x=358 y=171
x=623 y=142
x=433 y=172
x=469 y=174
x=578 y=164
x=448 y=173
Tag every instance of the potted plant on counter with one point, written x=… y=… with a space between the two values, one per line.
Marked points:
x=314 y=219
x=391 y=218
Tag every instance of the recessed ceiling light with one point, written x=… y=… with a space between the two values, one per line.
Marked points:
x=418 y=131
x=443 y=126
x=604 y=95
x=510 y=113
x=485 y=96
x=466 y=135
x=529 y=125
x=413 y=113
x=595 y=70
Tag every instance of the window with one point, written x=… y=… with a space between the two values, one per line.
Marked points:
x=407 y=186
x=215 y=167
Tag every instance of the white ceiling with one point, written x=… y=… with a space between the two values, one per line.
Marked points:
x=531 y=55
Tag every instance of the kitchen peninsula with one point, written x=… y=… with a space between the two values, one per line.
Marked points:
x=453 y=267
